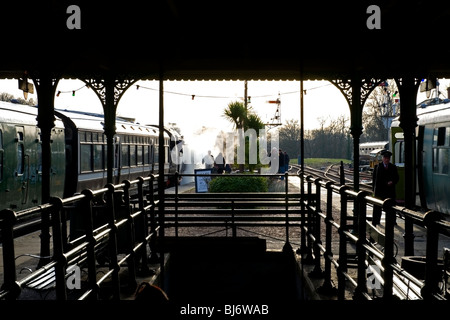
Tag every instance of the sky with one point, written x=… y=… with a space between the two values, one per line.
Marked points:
x=211 y=98
x=196 y=107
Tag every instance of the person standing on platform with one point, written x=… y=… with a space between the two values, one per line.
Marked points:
x=220 y=163
x=385 y=177
x=286 y=162
x=281 y=163
x=208 y=160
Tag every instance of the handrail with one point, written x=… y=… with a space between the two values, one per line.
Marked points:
x=390 y=270
x=84 y=249
x=233 y=210
x=140 y=227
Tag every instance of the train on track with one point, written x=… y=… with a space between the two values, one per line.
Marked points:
x=78 y=154
x=432 y=154
x=370 y=154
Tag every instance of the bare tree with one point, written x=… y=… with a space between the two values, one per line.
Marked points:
x=4 y=96
x=381 y=107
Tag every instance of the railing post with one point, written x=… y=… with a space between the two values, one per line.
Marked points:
x=143 y=229
x=317 y=271
x=153 y=231
x=233 y=224
x=303 y=248
x=58 y=251
x=432 y=271
x=130 y=237
x=342 y=261
x=86 y=210
x=310 y=225
x=176 y=203
x=7 y=220
x=327 y=286
x=361 y=289
x=287 y=246
x=389 y=258
x=114 y=265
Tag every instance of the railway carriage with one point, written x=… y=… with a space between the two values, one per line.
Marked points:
x=78 y=147
x=21 y=157
x=369 y=154
x=432 y=154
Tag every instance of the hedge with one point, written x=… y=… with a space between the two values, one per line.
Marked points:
x=239 y=184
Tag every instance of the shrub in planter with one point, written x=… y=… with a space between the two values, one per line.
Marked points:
x=239 y=184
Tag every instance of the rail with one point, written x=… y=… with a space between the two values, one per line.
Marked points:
x=133 y=223
x=125 y=233
x=235 y=210
x=353 y=228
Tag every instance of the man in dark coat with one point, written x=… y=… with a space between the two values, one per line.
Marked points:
x=385 y=177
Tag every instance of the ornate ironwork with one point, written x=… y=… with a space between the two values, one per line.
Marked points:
x=345 y=86
x=366 y=87
x=99 y=87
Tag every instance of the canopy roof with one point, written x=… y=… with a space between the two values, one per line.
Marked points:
x=233 y=39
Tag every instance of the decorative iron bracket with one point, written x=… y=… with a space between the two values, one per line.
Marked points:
x=100 y=88
x=366 y=87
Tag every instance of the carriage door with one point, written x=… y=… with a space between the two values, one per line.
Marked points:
x=22 y=170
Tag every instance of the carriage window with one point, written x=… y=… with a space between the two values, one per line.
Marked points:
x=443 y=161
x=98 y=157
x=20 y=153
x=441 y=136
x=146 y=154
x=440 y=160
x=133 y=155
x=125 y=155
x=447 y=136
x=140 y=160
x=86 y=157
x=399 y=152
x=155 y=154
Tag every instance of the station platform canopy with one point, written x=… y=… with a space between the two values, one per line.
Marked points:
x=226 y=40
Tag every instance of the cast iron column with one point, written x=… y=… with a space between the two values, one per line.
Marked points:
x=356 y=127
x=109 y=91
x=356 y=91
x=407 y=87
x=45 y=86
x=161 y=159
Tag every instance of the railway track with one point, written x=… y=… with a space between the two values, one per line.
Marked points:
x=333 y=173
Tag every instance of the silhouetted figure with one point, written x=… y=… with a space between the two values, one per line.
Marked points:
x=208 y=160
x=286 y=162
x=281 y=168
x=220 y=163
x=385 y=177
x=154 y=299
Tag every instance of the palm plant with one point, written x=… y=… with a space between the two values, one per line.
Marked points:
x=239 y=115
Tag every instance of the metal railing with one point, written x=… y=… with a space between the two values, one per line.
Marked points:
x=133 y=222
x=235 y=210
x=121 y=237
x=394 y=281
